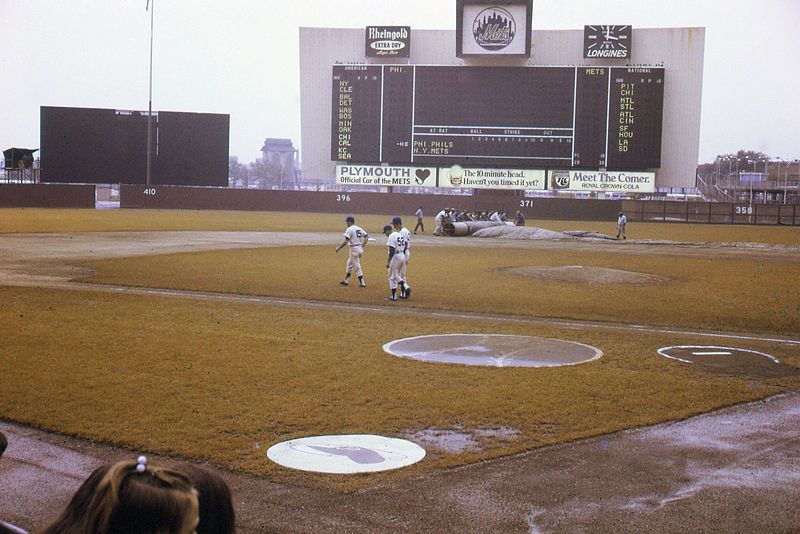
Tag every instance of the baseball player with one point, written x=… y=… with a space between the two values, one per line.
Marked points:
x=356 y=238
x=397 y=223
x=396 y=246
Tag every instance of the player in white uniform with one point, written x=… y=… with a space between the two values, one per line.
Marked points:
x=397 y=223
x=396 y=246
x=357 y=239
x=439 y=220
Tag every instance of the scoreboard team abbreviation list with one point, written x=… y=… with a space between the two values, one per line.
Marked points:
x=545 y=117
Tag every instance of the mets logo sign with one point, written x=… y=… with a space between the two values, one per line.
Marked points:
x=494 y=28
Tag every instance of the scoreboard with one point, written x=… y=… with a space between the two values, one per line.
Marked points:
x=542 y=117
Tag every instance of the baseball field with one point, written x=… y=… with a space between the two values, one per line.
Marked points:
x=213 y=335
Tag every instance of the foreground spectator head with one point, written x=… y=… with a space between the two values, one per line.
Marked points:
x=131 y=497
x=216 y=505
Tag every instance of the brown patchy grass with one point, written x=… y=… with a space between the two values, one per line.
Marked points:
x=223 y=381
x=710 y=292
x=21 y=220
x=17 y=220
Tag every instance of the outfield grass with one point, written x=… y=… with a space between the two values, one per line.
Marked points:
x=712 y=293
x=223 y=381
x=16 y=220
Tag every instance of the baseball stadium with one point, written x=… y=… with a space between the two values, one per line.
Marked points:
x=544 y=376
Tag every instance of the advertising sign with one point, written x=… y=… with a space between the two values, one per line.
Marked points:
x=607 y=41
x=611 y=181
x=478 y=178
x=493 y=29
x=388 y=41
x=386 y=175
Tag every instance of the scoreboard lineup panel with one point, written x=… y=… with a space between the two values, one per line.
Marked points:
x=543 y=117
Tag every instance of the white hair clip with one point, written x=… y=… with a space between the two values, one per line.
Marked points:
x=141 y=464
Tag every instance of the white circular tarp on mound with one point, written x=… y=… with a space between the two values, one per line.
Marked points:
x=493 y=350
x=346 y=454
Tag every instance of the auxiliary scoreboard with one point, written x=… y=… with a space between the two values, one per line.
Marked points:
x=543 y=117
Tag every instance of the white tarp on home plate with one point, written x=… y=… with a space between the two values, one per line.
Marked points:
x=346 y=454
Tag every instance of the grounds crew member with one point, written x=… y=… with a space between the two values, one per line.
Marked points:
x=621 y=222
x=439 y=221
x=419 y=225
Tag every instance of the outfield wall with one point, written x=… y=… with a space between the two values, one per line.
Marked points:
x=712 y=212
x=210 y=198
x=218 y=198
x=46 y=196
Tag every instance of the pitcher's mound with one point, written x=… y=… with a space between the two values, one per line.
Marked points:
x=493 y=350
x=584 y=274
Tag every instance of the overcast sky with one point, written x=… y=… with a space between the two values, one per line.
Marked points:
x=241 y=57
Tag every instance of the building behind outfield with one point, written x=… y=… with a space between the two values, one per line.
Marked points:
x=678 y=50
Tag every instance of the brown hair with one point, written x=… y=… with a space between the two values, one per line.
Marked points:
x=216 y=504
x=3 y=443
x=118 y=498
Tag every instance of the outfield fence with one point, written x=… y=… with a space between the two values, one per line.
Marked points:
x=370 y=202
x=712 y=212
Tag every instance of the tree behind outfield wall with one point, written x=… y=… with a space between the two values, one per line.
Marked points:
x=728 y=166
x=257 y=174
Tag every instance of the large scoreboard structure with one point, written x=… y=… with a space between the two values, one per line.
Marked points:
x=556 y=114
x=90 y=145
x=543 y=117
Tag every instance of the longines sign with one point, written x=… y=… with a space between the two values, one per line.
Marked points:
x=607 y=41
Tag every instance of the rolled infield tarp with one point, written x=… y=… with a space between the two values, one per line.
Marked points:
x=460 y=229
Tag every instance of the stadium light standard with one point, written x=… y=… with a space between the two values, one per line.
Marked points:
x=150 y=8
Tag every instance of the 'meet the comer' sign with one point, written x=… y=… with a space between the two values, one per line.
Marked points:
x=388 y=41
x=611 y=181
